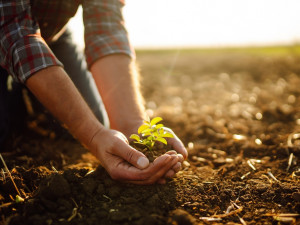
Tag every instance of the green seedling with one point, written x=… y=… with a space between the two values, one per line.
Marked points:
x=150 y=132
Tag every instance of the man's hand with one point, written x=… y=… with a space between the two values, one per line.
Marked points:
x=125 y=163
x=178 y=149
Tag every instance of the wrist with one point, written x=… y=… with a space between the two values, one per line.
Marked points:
x=87 y=131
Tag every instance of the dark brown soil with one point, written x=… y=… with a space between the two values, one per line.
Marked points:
x=237 y=113
x=158 y=150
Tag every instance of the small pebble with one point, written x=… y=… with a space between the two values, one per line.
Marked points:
x=186 y=164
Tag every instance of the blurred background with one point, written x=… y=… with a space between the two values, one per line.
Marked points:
x=208 y=23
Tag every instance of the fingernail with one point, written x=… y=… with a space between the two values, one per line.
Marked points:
x=143 y=162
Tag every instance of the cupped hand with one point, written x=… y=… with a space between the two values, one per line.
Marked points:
x=179 y=150
x=125 y=163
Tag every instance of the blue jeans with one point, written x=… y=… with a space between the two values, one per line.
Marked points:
x=74 y=64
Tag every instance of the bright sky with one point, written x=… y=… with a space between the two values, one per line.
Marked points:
x=179 y=23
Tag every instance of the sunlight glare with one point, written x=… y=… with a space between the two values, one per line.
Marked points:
x=208 y=23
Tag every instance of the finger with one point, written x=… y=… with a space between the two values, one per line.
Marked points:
x=170 y=174
x=181 y=158
x=177 y=167
x=177 y=144
x=157 y=169
x=126 y=172
x=171 y=152
x=161 y=172
x=131 y=155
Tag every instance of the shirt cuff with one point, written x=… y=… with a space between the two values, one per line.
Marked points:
x=31 y=54
x=103 y=45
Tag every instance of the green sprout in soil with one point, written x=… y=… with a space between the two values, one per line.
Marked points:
x=150 y=132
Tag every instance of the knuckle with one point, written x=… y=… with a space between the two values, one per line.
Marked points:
x=170 y=174
x=174 y=158
x=177 y=167
x=129 y=155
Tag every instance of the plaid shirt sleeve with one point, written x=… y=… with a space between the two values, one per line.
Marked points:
x=22 y=49
x=104 y=29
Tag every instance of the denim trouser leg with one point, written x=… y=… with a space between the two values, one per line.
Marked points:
x=75 y=66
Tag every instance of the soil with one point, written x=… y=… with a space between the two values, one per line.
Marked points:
x=237 y=112
x=158 y=150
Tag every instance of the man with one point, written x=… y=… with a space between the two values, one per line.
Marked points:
x=27 y=55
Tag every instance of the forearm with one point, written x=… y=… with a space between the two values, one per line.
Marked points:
x=117 y=80
x=54 y=89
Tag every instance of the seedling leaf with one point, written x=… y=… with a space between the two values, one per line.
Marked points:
x=162 y=140
x=135 y=137
x=156 y=134
x=158 y=126
x=142 y=128
x=167 y=135
x=155 y=120
x=146 y=132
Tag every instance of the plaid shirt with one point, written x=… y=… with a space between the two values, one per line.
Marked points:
x=26 y=26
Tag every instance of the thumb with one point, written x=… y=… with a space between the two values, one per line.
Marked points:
x=133 y=156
